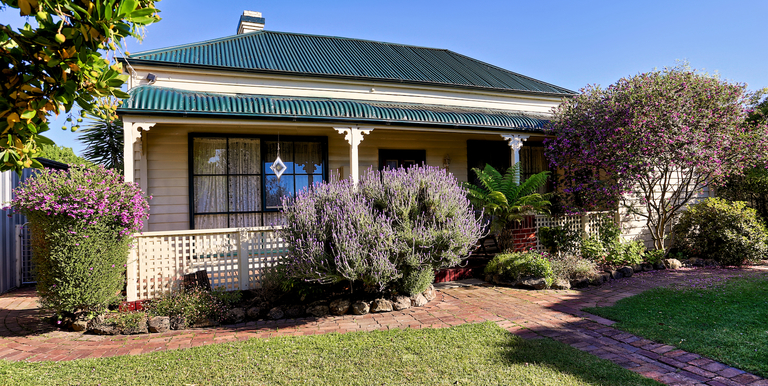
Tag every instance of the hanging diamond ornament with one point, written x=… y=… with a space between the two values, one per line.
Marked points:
x=278 y=166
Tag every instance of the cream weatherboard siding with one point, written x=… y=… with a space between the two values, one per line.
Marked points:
x=166 y=148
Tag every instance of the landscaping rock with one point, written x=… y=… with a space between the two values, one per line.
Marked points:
x=360 y=308
x=381 y=305
x=533 y=282
x=178 y=323
x=159 y=324
x=647 y=267
x=659 y=266
x=104 y=329
x=294 y=311
x=319 y=310
x=429 y=293
x=400 y=303
x=615 y=275
x=695 y=262
x=580 y=283
x=235 y=315
x=276 y=313
x=673 y=263
x=561 y=284
x=626 y=271
x=598 y=278
x=253 y=312
x=500 y=280
x=637 y=267
x=339 y=306
x=418 y=301
x=79 y=325
x=710 y=263
x=204 y=323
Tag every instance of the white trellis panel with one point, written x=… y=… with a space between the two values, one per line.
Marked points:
x=234 y=259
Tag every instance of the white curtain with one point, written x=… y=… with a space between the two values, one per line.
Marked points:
x=210 y=157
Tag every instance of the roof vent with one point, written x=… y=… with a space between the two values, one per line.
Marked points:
x=250 y=21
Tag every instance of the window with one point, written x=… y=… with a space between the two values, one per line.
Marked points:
x=393 y=159
x=499 y=155
x=231 y=184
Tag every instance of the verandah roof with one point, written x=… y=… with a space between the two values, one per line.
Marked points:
x=168 y=101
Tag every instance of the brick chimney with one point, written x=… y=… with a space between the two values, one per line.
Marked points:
x=250 y=21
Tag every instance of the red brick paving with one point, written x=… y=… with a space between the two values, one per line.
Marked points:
x=25 y=336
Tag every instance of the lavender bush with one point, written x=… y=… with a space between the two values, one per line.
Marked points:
x=392 y=231
x=81 y=221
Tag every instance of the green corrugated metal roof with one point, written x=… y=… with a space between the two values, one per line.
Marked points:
x=160 y=100
x=291 y=53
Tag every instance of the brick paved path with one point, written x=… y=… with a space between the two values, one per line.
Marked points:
x=529 y=314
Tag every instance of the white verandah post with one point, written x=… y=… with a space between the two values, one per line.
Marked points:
x=354 y=135
x=516 y=143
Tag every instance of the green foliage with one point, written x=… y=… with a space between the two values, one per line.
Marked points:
x=227 y=298
x=194 y=305
x=593 y=249
x=416 y=281
x=559 y=239
x=722 y=320
x=728 y=232
x=103 y=137
x=57 y=63
x=62 y=154
x=79 y=267
x=505 y=199
x=570 y=267
x=127 y=322
x=626 y=253
x=655 y=256
x=516 y=265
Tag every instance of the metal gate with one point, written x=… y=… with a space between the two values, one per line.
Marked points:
x=24 y=254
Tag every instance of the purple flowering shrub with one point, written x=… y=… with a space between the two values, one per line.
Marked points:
x=81 y=221
x=392 y=231
x=652 y=142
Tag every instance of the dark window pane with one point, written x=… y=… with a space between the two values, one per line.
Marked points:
x=275 y=190
x=308 y=157
x=286 y=154
x=210 y=194
x=209 y=156
x=244 y=193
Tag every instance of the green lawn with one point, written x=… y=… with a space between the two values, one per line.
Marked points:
x=728 y=322
x=477 y=354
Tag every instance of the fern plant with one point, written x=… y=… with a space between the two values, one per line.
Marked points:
x=506 y=200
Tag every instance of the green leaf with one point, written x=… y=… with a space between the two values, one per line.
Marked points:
x=43 y=140
x=29 y=114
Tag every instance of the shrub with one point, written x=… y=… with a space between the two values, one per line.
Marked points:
x=608 y=247
x=81 y=221
x=626 y=253
x=655 y=256
x=517 y=265
x=728 y=232
x=194 y=305
x=570 y=267
x=559 y=239
x=593 y=249
x=393 y=225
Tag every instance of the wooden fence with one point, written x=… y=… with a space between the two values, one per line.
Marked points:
x=235 y=259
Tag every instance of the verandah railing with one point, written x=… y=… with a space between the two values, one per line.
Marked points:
x=235 y=259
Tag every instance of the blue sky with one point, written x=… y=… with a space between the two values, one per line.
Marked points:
x=567 y=43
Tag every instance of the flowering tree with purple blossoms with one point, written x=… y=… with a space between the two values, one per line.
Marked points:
x=391 y=231
x=81 y=222
x=650 y=143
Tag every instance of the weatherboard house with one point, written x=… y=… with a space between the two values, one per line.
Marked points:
x=203 y=121
x=206 y=122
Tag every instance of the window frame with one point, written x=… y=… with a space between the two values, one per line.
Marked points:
x=263 y=139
